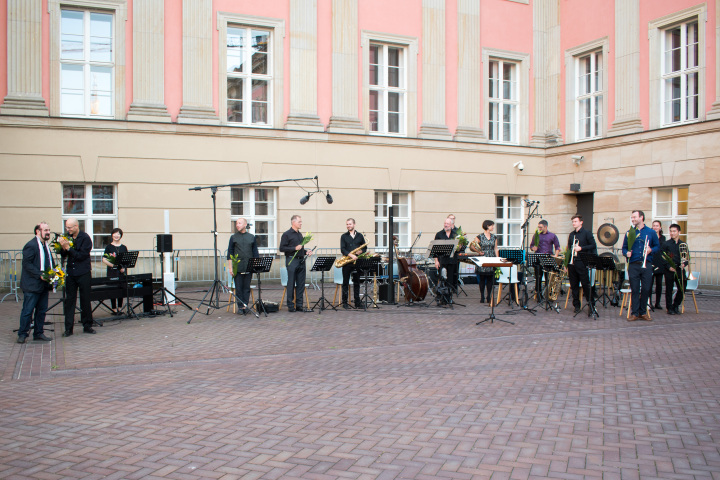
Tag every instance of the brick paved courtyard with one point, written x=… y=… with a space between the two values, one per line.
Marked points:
x=397 y=392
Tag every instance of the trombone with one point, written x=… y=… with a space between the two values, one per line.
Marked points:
x=685 y=259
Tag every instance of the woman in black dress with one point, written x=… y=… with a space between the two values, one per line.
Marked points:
x=658 y=265
x=489 y=248
x=114 y=250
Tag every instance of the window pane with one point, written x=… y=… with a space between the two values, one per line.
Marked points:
x=259 y=113
x=101 y=92
x=235 y=47
x=72 y=97
x=260 y=41
x=374 y=62
x=393 y=102
x=682 y=207
x=101 y=233
x=259 y=90
x=103 y=197
x=71 y=28
x=73 y=199
x=100 y=37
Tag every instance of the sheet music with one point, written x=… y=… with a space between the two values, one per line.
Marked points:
x=479 y=261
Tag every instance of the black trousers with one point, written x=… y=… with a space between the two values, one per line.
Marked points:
x=347 y=271
x=658 y=279
x=578 y=275
x=242 y=289
x=640 y=285
x=296 y=282
x=485 y=281
x=72 y=285
x=670 y=282
x=451 y=269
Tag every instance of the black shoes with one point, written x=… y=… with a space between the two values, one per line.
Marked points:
x=67 y=333
x=658 y=307
x=21 y=339
x=42 y=337
x=577 y=310
x=347 y=306
x=89 y=330
x=671 y=311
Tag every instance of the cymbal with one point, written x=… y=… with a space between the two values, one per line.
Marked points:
x=608 y=234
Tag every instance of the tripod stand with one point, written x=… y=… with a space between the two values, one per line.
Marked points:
x=259 y=265
x=443 y=249
x=526 y=271
x=322 y=265
x=217 y=288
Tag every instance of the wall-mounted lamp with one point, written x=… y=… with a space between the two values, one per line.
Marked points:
x=577 y=159
x=519 y=165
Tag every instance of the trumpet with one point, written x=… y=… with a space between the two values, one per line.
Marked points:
x=576 y=242
x=645 y=246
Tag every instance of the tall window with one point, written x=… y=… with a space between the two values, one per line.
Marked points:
x=508 y=219
x=249 y=76
x=670 y=205
x=95 y=207
x=401 y=218
x=388 y=89
x=589 y=97
x=680 y=73
x=258 y=206
x=503 y=101
x=86 y=63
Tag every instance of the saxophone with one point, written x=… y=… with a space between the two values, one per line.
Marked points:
x=342 y=261
x=554 y=285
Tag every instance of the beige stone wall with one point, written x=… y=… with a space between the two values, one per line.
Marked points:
x=155 y=164
x=622 y=172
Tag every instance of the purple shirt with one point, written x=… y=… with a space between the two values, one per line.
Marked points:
x=547 y=240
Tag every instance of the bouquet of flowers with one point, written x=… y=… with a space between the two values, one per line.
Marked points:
x=497 y=272
x=462 y=239
x=306 y=239
x=56 y=245
x=54 y=276
x=668 y=259
x=111 y=257
x=536 y=239
x=631 y=236
x=235 y=261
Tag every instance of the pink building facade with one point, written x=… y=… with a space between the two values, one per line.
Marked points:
x=439 y=99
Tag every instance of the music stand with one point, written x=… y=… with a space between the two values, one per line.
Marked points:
x=491 y=262
x=257 y=265
x=366 y=265
x=516 y=256
x=322 y=265
x=606 y=265
x=128 y=260
x=548 y=264
x=590 y=260
x=443 y=249
x=533 y=260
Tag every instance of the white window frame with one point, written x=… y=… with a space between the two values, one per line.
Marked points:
x=503 y=238
x=275 y=65
x=88 y=218
x=118 y=8
x=656 y=36
x=410 y=53
x=404 y=239
x=522 y=60
x=674 y=216
x=384 y=89
x=572 y=87
x=252 y=218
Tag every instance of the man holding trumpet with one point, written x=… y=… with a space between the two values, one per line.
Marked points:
x=639 y=245
x=580 y=240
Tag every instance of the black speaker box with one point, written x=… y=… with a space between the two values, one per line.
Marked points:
x=164 y=243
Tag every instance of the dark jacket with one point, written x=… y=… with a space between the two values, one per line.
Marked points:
x=30 y=281
x=585 y=240
x=244 y=245
x=658 y=262
x=348 y=243
x=78 y=256
x=637 y=250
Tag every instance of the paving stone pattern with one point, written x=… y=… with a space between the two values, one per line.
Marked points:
x=398 y=392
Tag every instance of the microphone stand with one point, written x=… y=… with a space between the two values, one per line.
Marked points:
x=526 y=238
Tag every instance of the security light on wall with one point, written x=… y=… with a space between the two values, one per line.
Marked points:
x=519 y=165
x=577 y=159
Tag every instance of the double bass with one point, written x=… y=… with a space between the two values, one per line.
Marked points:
x=413 y=280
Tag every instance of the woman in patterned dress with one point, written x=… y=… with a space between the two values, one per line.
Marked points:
x=489 y=248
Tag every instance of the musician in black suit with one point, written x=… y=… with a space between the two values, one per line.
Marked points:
x=78 y=276
x=36 y=259
x=349 y=241
x=450 y=264
x=578 y=272
x=295 y=253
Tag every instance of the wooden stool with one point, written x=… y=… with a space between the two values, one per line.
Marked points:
x=234 y=304
x=569 y=294
x=517 y=297
x=307 y=299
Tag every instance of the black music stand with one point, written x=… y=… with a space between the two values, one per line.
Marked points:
x=606 y=265
x=516 y=257
x=590 y=260
x=443 y=291
x=258 y=265
x=533 y=260
x=128 y=260
x=548 y=264
x=479 y=262
x=367 y=265
x=322 y=265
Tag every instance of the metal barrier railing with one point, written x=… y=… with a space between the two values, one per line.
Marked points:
x=196 y=266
